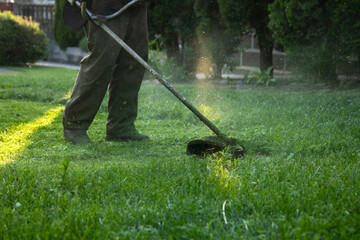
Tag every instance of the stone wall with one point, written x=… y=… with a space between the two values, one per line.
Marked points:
x=250 y=54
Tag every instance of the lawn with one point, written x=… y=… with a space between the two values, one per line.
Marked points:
x=299 y=179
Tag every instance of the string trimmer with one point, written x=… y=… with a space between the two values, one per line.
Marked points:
x=75 y=13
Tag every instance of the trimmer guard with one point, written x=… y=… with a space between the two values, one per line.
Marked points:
x=210 y=145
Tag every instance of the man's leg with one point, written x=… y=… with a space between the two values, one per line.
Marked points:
x=92 y=81
x=126 y=81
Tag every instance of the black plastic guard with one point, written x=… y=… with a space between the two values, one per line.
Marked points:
x=211 y=145
x=207 y=145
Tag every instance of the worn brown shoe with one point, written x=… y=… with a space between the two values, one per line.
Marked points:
x=76 y=136
x=127 y=136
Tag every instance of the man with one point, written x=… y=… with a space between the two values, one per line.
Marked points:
x=108 y=67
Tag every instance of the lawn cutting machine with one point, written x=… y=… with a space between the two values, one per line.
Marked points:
x=75 y=14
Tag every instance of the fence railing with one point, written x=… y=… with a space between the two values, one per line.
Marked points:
x=44 y=14
x=5 y=6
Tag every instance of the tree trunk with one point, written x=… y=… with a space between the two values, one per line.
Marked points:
x=190 y=54
x=172 y=47
x=327 y=67
x=217 y=71
x=266 y=46
x=358 y=63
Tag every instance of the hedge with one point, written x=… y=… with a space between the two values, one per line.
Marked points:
x=21 y=40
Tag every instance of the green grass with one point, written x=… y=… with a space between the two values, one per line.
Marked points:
x=300 y=177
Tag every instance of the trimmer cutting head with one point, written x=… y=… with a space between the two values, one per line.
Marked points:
x=213 y=144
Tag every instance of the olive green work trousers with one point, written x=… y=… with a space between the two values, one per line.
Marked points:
x=108 y=67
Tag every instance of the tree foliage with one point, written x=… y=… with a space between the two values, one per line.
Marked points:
x=240 y=16
x=218 y=44
x=21 y=40
x=317 y=33
x=64 y=35
x=175 y=21
x=347 y=20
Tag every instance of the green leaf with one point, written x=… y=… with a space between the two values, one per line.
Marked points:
x=65 y=163
x=257 y=71
x=268 y=70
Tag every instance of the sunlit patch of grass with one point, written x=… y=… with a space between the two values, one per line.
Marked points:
x=223 y=173
x=15 y=140
x=209 y=112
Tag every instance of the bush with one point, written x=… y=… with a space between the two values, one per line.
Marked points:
x=317 y=34
x=21 y=40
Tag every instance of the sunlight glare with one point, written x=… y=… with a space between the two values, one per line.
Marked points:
x=204 y=67
x=209 y=112
x=14 y=141
x=227 y=180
